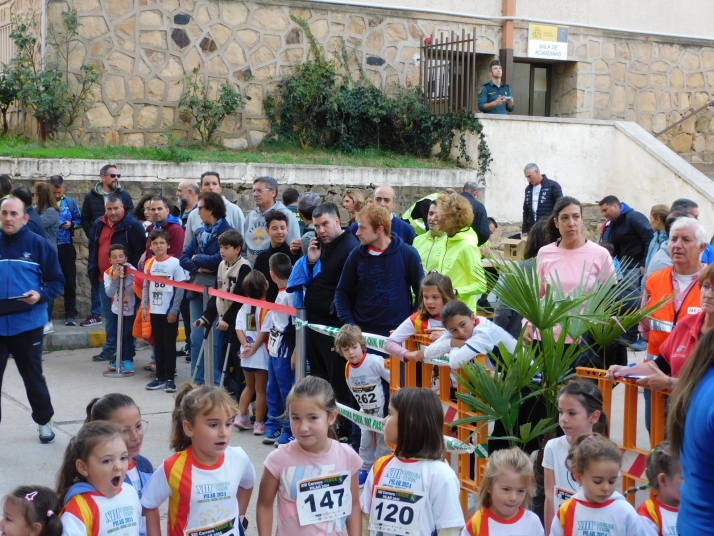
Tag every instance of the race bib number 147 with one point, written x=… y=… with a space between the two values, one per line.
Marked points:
x=324 y=498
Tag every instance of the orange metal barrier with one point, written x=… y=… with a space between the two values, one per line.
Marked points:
x=470 y=467
x=633 y=458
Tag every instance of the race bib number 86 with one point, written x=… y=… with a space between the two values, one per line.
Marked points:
x=324 y=498
x=396 y=512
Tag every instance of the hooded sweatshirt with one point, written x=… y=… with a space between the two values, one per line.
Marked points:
x=172 y=225
x=93 y=205
x=630 y=235
x=375 y=291
x=256 y=233
x=614 y=517
x=461 y=261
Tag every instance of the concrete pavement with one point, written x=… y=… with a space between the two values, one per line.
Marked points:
x=74 y=380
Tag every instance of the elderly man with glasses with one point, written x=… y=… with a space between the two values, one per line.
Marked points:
x=265 y=192
x=92 y=210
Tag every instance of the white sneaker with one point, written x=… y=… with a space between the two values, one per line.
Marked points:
x=46 y=433
x=49 y=328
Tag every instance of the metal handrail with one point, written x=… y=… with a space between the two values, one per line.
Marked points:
x=695 y=112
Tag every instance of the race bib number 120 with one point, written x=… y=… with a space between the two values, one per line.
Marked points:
x=324 y=498
x=396 y=512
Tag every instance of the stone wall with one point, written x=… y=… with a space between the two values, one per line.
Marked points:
x=142 y=177
x=145 y=48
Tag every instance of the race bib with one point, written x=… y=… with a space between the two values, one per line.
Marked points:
x=221 y=529
x=368 y=397
x=275 y=339
x=396 y=512
x=324 y=498
x=160 y=287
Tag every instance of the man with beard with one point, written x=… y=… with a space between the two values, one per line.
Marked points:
x=92 y=210
x=187 y=196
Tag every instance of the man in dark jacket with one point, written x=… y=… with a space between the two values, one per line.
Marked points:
x=630 y=234
x=627 y=230
x=380 y=277
x=386 y=197
x=117 y=226
x=480 y=223
x=34 y=222
x=92 y=210
x=30 y=269
x=541 y=195
x=163 y=219
x=331 y=246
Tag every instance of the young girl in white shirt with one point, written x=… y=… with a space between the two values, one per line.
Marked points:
x=595 y=462
x=91 y=484
x=580 y=412
x=208 y=484
x=435 y=292
x=507 y=488
x=315 y=477
x=414 y=491
x=664 y=472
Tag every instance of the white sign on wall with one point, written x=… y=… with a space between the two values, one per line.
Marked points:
x=548 y=42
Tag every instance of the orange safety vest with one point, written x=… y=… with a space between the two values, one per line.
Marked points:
x=662 y=322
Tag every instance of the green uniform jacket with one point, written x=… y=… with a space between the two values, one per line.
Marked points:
x=462 y=263
x=431 y=250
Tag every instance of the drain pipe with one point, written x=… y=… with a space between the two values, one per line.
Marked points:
x=511 y=18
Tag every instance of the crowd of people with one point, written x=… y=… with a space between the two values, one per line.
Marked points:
x=378 y=273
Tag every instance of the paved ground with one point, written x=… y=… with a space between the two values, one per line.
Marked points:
x=74 y=380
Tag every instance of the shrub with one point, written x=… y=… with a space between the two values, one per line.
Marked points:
x=55 y=96
x=208 y=114
x=320 y=104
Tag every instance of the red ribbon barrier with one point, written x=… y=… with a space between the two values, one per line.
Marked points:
x=218 y=293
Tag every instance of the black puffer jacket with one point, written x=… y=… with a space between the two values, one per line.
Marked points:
x=550 y=192
x=93 y=206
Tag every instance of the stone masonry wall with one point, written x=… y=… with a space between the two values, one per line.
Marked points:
x=630 y=77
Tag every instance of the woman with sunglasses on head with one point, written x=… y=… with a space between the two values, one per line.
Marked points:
x=353 y=201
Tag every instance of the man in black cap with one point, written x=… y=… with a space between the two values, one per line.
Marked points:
x=495 y=97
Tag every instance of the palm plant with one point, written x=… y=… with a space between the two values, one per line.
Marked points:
x=599 y=315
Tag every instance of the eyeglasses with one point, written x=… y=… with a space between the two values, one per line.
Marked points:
x=114 y=175
x=260 y=192
x=140 y=429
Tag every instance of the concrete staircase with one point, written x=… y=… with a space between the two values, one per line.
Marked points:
x=705 y=167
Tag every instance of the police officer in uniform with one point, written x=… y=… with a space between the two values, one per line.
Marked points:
x=495 y=97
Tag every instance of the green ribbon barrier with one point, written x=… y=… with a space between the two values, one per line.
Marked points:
x=375 y=342
x=376 y=424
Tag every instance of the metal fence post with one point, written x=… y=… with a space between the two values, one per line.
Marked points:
x=208 y=356
x=119 y=373
x=301 y=345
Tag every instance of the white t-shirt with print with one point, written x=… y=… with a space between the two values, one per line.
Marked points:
x=486 y=523
x=365 y=382
x=282 y=320
x=160 y=294
x=203 y=500
x=93 y=513
x=129 y=296
x=252 y=321
x=423 y=492
x=556 y=450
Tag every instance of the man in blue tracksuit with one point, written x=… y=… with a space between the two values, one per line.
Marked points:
x=28 y=267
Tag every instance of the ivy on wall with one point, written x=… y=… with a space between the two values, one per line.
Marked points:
x=320 y=104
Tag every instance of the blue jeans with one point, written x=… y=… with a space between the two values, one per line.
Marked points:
x=110 y=346
x=196 y=308
x=96 y=302
x=281 y=378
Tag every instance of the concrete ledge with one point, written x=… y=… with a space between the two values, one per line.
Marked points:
x=74 y=338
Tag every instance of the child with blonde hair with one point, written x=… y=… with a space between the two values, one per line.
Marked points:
x=506 y=491
x=208 y=483
x=369 y=382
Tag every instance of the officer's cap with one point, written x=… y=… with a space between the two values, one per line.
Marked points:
x=494 y=63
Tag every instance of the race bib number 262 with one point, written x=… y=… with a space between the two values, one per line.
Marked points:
x=324 y=498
